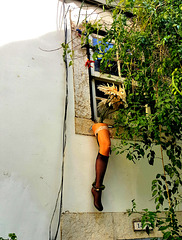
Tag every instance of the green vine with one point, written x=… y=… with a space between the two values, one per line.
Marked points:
x=12 y=236
x=148 y=48
x=67 y=52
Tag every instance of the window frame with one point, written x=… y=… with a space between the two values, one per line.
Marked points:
x=103 y=77
x=100 y=74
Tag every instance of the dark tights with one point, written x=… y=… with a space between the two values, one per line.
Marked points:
x=100 y=169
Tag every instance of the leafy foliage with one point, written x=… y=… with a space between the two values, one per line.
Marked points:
x=67 y=52
x=148 y=47
x=12 y=236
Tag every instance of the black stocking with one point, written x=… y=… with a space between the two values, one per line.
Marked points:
x=100 y=168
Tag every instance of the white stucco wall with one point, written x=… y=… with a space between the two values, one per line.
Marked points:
x=32 y=91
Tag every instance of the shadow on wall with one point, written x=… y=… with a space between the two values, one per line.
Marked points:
x=31 y=104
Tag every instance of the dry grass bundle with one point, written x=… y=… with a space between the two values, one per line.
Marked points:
x=116 y=98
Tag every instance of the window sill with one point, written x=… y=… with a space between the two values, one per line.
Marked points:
x=107 y=77
x=83 y=126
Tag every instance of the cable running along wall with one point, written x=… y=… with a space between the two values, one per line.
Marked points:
x=60 y=192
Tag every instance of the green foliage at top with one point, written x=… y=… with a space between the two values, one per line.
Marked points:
x=148 y=47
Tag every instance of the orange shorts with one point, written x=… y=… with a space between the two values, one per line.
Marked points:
x=102 y=133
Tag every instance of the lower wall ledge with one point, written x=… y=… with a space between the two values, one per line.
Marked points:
x=103 y=226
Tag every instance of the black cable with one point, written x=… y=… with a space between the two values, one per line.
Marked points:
x=60 y=192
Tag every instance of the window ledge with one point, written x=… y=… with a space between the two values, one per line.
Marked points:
x=107 y=77
x=83 y=126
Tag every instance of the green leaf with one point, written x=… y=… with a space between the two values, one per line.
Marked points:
x=147 y=230
x=154 y=193
x=166 y=235
x=163 y=177
x=159 y=222
x=154 y=181
x=153 y=187
x=100 y=56
x=163 y=228
x=160 y=182
x=161 y=199
x=157 y=206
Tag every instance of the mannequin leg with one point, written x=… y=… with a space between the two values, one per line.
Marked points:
x=100 y=169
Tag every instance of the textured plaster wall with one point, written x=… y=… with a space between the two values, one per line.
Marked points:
x=81 y=78
x=107 y=226
x=32 y=91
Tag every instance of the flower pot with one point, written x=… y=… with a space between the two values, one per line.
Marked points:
x=102 y=134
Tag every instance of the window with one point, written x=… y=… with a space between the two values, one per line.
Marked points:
x=111 y=69
x=106 y=76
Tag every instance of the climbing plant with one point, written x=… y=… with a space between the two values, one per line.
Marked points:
x=147 y=38
x=12 y=236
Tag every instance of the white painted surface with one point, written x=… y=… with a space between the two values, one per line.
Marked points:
x=22 y=20
x=32 y=89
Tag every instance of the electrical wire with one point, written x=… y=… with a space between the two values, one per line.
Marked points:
x=60 y=192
